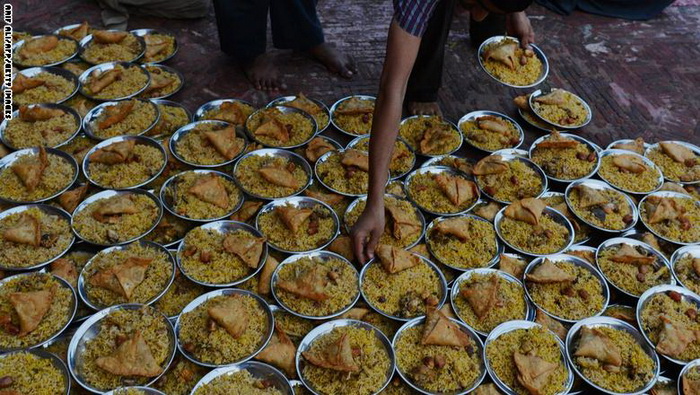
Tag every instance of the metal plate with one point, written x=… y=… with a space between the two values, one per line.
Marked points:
x=693 y=251
x=479 y=345
x=82 y=279
x=34 y=71
x=456 y=285
x=577 y=262
x=270 y=322
x=92 y=116
x=87 y=40
x=532 y=165
x=225 y=227
x=326 y=328
x=648 y=162
x=419 y=214
x=443 y=120
x=55 y=361
x=168 y=69
x=108 y=194
x=521 y=324
x=324 y=158
x=489 y=263
x=441 y=278
x=538 y=53
x=322 y=256
x=575 y=243
x=478 y=114
x=339 y=102
x=665 y=194
x=104 y=67
x=284 y=110
x=542 y=127
x=435 y=160
x=283 y=100
x=298 y=202
x=257 y=370
x=274 y=152
x=552 y=213
x=141 y=390
x=9 y=160
x=166 y=196
x=512 y=151
x=581 y=140
x=15 y=115
x=660 y=259
x=686 y=368
x=601 y=185
x=46 y=209
x=18 y=47
x=589 y=114
x=625 y=141
x=686 y=295
x=140 y=140
x=143 y=32
x=608 y=322
x=360 y=139
x=184 y=130
x=72 y=308
x=89 y=329
x=694 y=148
x=215 y=105
x=437 y=170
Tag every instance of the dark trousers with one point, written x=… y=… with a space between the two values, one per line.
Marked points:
x=242 y=26
x=426 y=76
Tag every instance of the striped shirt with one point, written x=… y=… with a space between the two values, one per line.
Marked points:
x=413 y=15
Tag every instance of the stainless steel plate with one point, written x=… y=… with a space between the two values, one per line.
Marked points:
x=488 y=261
x=581 y=140
x=538 y=52
x=83 y=279
x=443 y=120
x=73 y=304
x=647 y=162
x=691 y=147
x=143 y=32
x=140 y=140
x=48 y=210
x=89 y=329
x=512 y=158
x=339 y=102
x=326 y=328
x=168 y=69
x=442 y=298
x=167 y=191
x=104 y=67
x=353 y=205
x=53 y=359
x=601 y=185
x=589 y=114
x=393 y=176
x=34 y=71
x=464 y=277
x=322 y=256
x=642 y=210
x=607 y=322
x=9 y=160
x=479 y=349
x=298 y=202
x=87 y=41
x=478 y=114
x=283 y=100
x=108 y=194
x=199 y=115
x=224 y=227
x=548 y=211
x=437 y=170
x=284 y=110
x=15 y=115
x=18 y=47
x=290 y=156
x=574 y=260
x=660 y=259
x=90 y=120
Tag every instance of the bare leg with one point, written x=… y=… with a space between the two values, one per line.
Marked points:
x=263 y=73
x=334 y=60
x=423 y=108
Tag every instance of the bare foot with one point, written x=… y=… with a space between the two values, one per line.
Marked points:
x=263 y=73
x=335 y=61
x=423 y=108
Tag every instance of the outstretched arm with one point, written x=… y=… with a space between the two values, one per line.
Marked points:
x=401 y=52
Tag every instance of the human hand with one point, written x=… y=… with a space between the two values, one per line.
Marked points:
x=518 y=25
x=366 y=232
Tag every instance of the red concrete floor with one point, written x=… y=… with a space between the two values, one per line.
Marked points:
x=641 y=78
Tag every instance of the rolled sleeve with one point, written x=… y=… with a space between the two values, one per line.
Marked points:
x=413 y=15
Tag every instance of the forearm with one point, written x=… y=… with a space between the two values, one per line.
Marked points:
x=401 y=52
